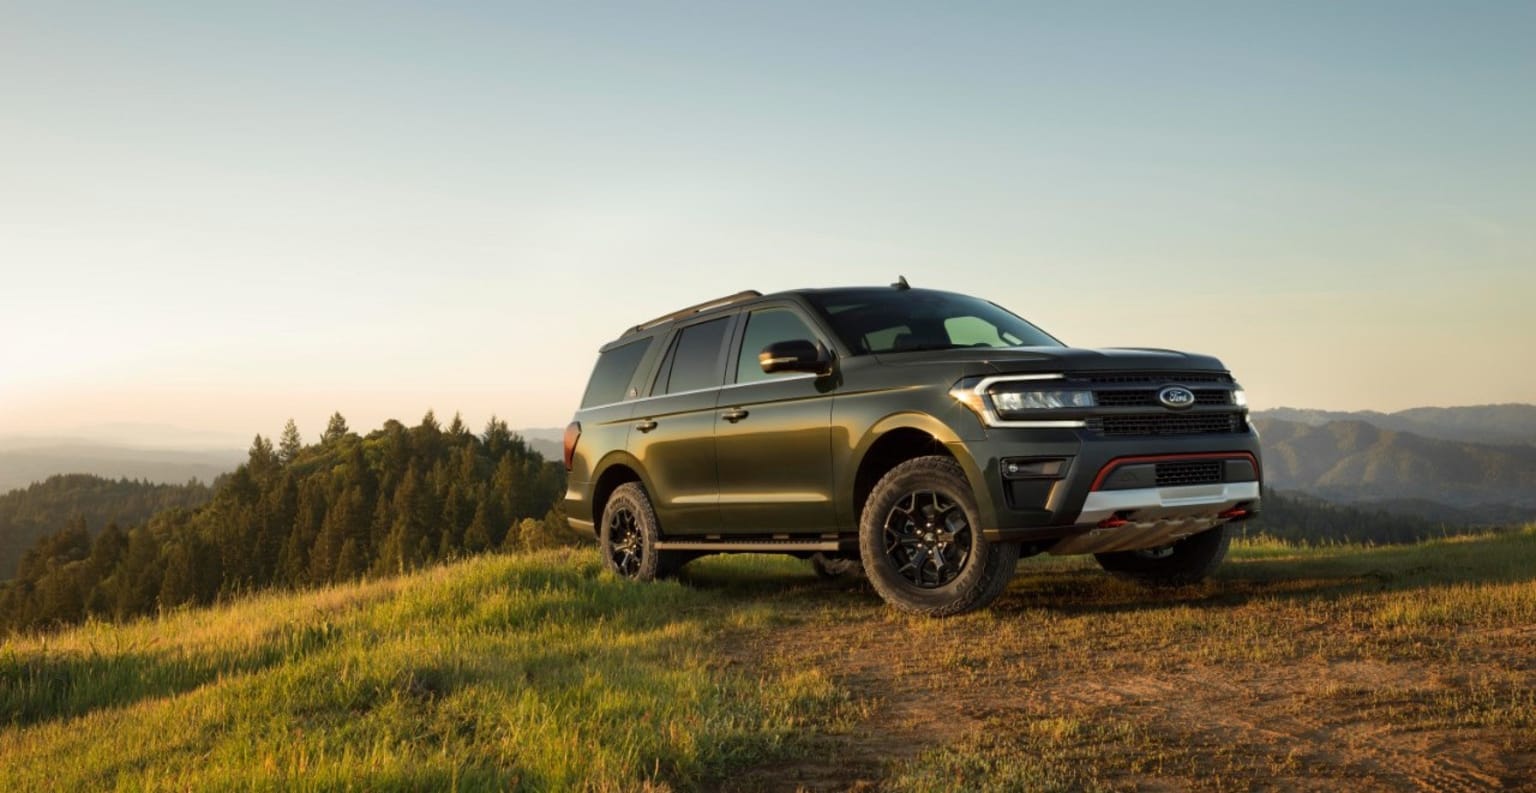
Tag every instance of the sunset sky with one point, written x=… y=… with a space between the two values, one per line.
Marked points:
x=219 y=216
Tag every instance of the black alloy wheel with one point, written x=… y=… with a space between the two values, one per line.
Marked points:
x=625 y=545
x=928 y=538
x=920 y=544
x=627 y=542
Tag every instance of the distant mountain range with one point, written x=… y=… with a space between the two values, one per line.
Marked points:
x=1497 y=424
x=28 y=459
x=23 y=462
x=1455 y=465
x=549 y=442
x=1358 y=461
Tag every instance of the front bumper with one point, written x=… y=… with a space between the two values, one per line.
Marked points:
x=1087 y=495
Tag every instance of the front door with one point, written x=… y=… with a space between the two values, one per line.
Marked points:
x=773 y=438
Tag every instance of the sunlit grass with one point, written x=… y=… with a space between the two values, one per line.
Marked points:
x=543 y=672
x=538 y=672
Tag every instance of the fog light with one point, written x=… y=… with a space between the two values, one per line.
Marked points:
x=1027 y=468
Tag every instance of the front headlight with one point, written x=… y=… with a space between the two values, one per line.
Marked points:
x=1021 y=401
x=1240 y=398
x=1011 y=400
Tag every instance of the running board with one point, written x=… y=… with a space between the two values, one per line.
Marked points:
x=757 y=546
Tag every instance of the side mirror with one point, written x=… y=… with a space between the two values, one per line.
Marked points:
x=798 y=355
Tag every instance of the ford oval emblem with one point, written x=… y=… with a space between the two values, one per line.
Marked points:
x=1176 y=397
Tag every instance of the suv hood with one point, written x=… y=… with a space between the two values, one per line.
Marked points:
x=1065 y=359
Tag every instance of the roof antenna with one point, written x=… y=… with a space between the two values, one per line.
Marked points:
x=901 y=283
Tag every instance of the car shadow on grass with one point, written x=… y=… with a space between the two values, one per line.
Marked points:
x=1303 y=575
x=1064 y=585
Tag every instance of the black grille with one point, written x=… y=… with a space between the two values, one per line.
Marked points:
x=1146 y=399
x=1153 y=378
x=1197 y=472
x=1168 y=424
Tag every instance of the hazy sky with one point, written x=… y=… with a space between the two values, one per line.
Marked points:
x=221 y=215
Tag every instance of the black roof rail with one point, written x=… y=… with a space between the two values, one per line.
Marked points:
x=696 y=309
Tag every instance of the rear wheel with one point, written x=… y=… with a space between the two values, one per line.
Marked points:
x=629 y=533
x=1187 y=561
x=921 y=544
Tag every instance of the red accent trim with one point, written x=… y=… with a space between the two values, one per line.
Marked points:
x=1112 y=522
x=1110 y=466
x=1234 y=513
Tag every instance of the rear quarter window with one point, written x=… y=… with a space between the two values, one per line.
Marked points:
x=615 y=368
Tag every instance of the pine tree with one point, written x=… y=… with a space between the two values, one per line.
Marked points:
x=138 y=585
x=350 y=563
x=179 y=584
x=291 y=444
x=263 y=460
x=335 y=430
x=477 y=538
x=497 y=438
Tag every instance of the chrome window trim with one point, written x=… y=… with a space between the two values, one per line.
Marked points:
x=784 y=379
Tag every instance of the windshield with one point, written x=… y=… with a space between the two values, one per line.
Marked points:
x=906 y=320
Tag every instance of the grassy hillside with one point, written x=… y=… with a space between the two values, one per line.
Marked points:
x=1375 y=669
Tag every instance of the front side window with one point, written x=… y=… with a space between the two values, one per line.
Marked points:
x=611 y=376
x=696 y=357
x=906 y=320
x=766 y=327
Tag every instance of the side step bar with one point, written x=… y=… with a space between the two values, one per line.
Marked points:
x=759 y=546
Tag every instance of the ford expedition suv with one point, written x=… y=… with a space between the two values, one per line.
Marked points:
x=928 y=437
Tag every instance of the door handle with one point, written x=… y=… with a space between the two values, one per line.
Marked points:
x=734 y=415
x=646 y=426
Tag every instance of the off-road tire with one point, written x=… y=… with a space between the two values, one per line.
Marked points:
x=986 y=568
x=1187 y=561
x=836 y=568
x=627 y=539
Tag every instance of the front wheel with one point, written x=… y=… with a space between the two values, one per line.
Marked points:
x=921 y=544
x=1187 y=561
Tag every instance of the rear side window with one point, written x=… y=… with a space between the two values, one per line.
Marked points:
x=696 y=358
x=615 y=368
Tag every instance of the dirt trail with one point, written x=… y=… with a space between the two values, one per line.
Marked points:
x=1179 y=722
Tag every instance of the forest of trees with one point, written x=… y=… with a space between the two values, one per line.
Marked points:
x=296 y=515
x=28 y=514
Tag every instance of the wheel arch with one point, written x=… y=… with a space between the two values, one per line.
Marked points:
x=895 y=439
x=616 y=469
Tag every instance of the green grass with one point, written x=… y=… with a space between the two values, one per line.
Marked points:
x=537 y=673
x=542 y=672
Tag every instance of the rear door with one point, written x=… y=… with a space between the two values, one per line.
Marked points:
x=672 y=430
x=773 y=434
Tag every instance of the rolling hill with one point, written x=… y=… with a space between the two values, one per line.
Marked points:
x=24 y=461
x=1493 y=424
x=541 y=672
x=1355 y=460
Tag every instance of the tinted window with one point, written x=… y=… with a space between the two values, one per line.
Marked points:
x=613 y=372
x=764 y=328
x=900 y=320
x=696 y=357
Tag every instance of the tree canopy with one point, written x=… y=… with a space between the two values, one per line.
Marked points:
x=295 y=515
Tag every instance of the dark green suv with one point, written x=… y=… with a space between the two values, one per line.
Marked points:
x=929 y=437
